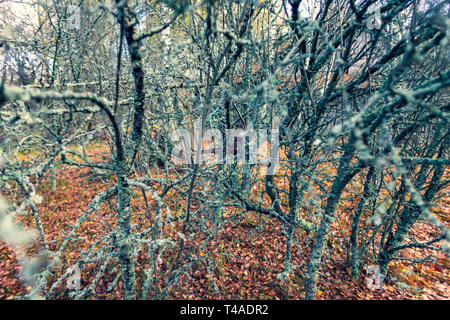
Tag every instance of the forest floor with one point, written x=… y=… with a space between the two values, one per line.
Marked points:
x=240 y=262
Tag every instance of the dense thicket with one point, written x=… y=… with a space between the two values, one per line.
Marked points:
x=352 y=90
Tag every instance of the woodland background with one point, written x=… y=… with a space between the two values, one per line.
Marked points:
x=93 y=206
